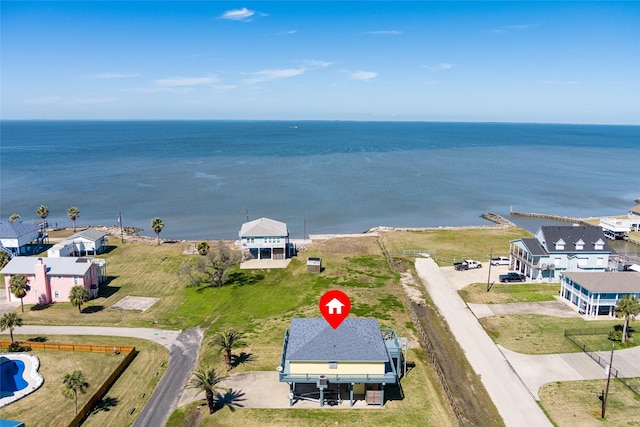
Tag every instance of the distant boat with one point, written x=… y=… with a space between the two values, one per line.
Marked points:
x=293 y=127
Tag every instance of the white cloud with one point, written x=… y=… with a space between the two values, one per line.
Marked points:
x=224 y=88
x=243 y=14
x=439 y=67
x=115 y=75
x=314 y=63
x=185 y=81
x=266 y=75
x=384 y=32
x=508 y=28
x=285 y=33
x=362 y=75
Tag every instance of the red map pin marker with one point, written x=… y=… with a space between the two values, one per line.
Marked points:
x=334 y=306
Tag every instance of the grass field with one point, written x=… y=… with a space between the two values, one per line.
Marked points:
x=48 y=407
x=577 y=403
x=535 y=334
x=451 y=245
x=509 y=293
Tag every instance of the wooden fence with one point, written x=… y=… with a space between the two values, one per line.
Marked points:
x=84 y=412
x=85 y=348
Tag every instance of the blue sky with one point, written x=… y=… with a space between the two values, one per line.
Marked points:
x=561 y=62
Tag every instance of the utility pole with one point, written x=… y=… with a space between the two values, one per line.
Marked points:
x=606 y=393
x=121 y=229
x=247 y=212
x=489 y=274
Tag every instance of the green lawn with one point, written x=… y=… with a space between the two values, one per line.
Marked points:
x=536 y=334
x=47 y=406
x=447 y=246
x=502 y=293
x=577 y=403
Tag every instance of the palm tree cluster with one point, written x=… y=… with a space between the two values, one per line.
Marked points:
x=73 y=213
x=626 y=307
x=19 y=286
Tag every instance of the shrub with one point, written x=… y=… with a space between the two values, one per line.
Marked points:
x=616 y=333
x=17 y=348
x=203 y=248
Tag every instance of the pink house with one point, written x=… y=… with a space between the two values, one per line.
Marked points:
x=51 y=279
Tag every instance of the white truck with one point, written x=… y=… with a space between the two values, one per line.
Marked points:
x=467 y=264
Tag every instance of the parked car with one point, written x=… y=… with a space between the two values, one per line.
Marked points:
x=466 y=265
x=512 y=277
x=501 y=260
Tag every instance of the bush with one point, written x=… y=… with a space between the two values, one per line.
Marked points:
x=17 y=348
x=616 y=333
x=203 y=248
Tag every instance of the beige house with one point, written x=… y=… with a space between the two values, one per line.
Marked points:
x=356 y=360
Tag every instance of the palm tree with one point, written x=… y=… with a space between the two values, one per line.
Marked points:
x=226 y=340
x=627 y=306
x=73 y=213
x=157 y=224
x=74 y=382
x=19 y=286
x=42 y=212
x=78 y=295
x=4 y=258
x=14 y=218
x=206 y=380
x=10 y=321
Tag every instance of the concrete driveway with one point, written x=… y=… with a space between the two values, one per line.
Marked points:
x=548 y=308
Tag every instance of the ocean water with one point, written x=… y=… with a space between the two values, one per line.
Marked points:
x=204 y=178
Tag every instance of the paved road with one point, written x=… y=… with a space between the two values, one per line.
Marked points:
x=183 y=354
x=512 y=398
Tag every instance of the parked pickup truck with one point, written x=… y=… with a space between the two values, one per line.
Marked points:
x=468 y=264
x=501 y=260
x=512 y=277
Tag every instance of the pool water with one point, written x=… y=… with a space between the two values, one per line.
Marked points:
x=11 y=376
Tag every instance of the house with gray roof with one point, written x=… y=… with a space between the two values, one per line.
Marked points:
x=20 y=238
x=86 y=242
x=597 y=294
x=557 y=249
x=358 y=357
x=265 y=238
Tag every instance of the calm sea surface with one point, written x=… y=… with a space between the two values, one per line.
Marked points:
x=202 y=177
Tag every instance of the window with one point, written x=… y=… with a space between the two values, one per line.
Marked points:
x=580 y=245
x=600 y=261
x=75 y=280
x=560 y=245
x=56 y=294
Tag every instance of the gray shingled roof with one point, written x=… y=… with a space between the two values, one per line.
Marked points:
x=263 y=227
x=534 y=247
x=355 y=340
x=571 y=234
x=13 y=230
x=66 y=266
x=624 y=282
x=89 y=234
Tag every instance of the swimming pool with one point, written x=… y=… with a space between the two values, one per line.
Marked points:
x=18 y=376
x=11 y=376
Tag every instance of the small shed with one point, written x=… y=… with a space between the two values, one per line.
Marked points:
x=314 y=265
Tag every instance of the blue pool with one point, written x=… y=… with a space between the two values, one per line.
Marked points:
x=11 y=376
